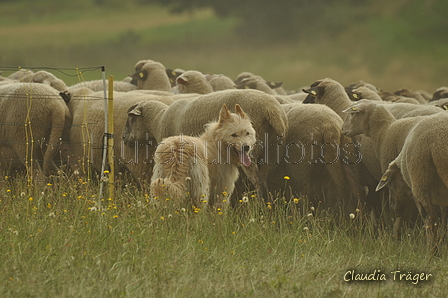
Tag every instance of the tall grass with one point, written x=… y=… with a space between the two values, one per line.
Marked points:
x=56 y=242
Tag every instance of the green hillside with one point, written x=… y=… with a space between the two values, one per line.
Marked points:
x=88 y=33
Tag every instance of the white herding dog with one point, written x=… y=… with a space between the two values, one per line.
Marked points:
x=204 y=167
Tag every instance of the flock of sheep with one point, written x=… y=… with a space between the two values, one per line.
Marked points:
x=341 y=151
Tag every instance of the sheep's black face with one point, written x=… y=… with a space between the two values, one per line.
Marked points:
x=128 y=136
x=313 y=94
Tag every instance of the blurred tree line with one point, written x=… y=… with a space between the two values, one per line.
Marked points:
x=268 y=20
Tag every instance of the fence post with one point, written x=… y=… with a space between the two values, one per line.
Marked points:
x=111 y=137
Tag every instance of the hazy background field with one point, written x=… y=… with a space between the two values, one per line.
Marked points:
x=380 y=42
x=54 y=242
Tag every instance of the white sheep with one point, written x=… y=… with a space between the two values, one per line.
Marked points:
x=366 y=93
x=188 y=116
x=42 y=77
x=390 y=97
x=333 y=94
x=388 y=136
x=220 y=82
x=192 y=81
x=362 y=83
x=275 y=86
x=151 y=75
x=33 y=119
x=98 y=85
x=87 y=132
x=21 y=73
x=423 y=165
x=317 y=157
x=411 y=94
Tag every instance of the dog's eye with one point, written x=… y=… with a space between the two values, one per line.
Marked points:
x=234 y=135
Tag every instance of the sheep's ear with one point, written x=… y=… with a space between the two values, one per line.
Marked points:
x=173 y=74
x=388 y=176
x=274 y=85
x=354 y=96
x=140 y=75
x=134 y=111
x=246 y=84
x=210 y=76
x=224 y=114
x=182 y=80
x=139 y=65
x=352 y=110
x=65 y=96
x=240 y=111
x=312 y=94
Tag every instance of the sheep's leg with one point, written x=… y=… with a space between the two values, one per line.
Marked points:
x=431 y=225
x=256 y=177
x=397 y=227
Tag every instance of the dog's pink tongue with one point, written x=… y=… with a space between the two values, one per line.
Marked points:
x=245 y=159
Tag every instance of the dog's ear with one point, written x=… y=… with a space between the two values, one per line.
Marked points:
x=240 y=111
x=224 y=114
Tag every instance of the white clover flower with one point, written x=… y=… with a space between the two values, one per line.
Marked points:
x=310 y=214
x=245 y=199
x=352 y=215
x=305 y=229
x=312 y=208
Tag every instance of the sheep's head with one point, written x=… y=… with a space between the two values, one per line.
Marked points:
x=314 y=92
x=392 y=173
x=440 y=93
x=133 y=131
x=358 y=120
x=173 y=74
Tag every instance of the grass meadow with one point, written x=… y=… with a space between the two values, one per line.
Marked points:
x=56 y=241
x=59 y=239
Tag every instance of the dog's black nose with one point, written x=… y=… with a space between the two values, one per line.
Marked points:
x=245 y=148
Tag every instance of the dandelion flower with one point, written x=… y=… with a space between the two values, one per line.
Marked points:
x=296 y=200
x=286 y=178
